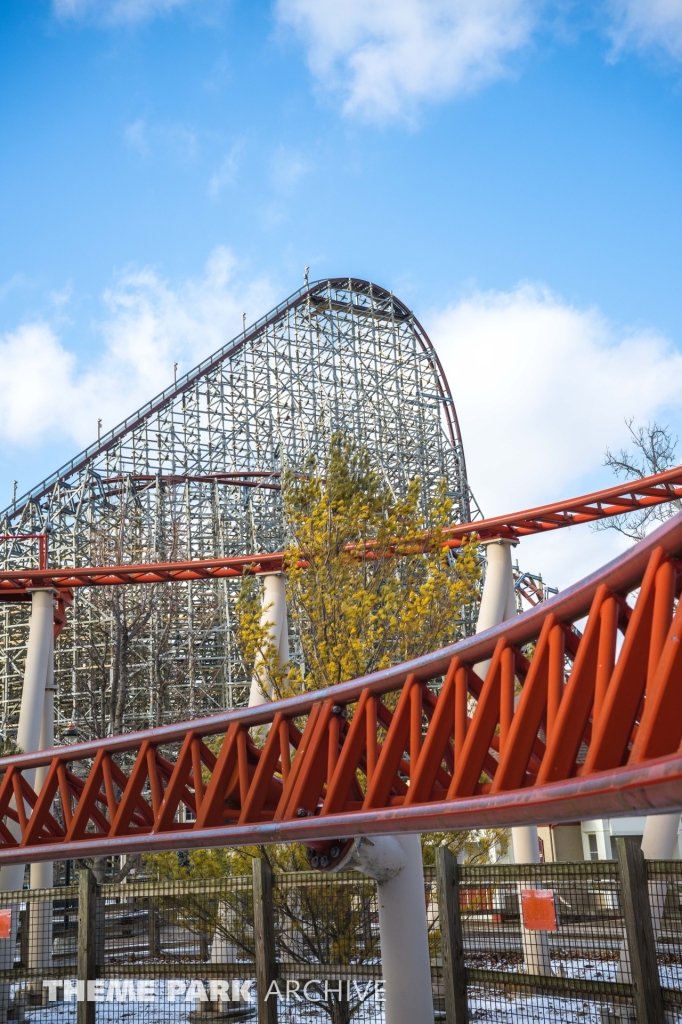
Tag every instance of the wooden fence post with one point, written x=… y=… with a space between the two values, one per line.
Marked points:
x=264 y=940
x=87 y=938
x=452 y=944
x=639 y=931
x=24 y=925
x=154 y=928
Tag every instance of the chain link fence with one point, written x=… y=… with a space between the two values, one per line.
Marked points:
x=523 y=943
x=541 y=942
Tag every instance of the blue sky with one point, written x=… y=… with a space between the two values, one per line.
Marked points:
x=511 y=168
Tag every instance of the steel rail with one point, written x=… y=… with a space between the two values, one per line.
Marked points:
x=654 y=788
x=634 y=495
x=17 y=584
x=343 y=761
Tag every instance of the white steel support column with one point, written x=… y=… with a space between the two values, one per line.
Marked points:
x=403 y=931
x=535 y=943
x=274 y=617
x=660 y=836
x=498 y=603
x=38 y=659
x=658 y=843
x=395 y=863
x=497 y=600
x=40 y=916
x=38 y=654
x=526 y=844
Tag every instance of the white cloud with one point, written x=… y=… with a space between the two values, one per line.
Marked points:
x=135 y=135
x=647 y=25
x=226 y=173
x=61 y=297
x=6 y=287
x=146 y=327
x=541 y=389
x=34 y=368
x=178 y=139
x=288 y=167
x=387 y=56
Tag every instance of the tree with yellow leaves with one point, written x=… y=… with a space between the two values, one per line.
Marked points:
x=369 y=580
x=370 y=583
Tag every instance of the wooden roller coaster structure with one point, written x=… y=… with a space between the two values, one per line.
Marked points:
x=545 y=717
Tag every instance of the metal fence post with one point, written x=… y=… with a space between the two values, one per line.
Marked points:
x=264 y=940
x=452 y=943
x=640 y=933
x=87 y=936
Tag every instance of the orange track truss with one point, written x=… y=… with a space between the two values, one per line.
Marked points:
x=633 y=496
x=596 y=731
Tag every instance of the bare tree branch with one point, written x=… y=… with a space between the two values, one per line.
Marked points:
x=653 y=450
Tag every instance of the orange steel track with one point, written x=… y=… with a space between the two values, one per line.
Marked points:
x=629 y=497
x=596 y=732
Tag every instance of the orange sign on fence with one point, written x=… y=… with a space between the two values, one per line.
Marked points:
x=6 y=923
x=539 y=910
